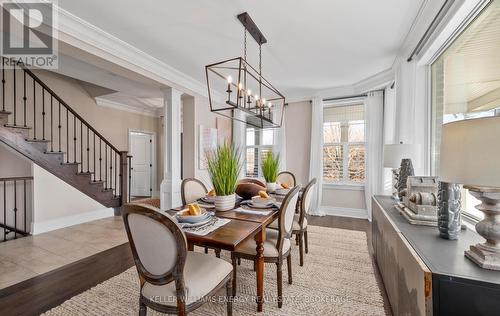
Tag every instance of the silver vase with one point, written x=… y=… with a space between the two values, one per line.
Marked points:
x=449 y=210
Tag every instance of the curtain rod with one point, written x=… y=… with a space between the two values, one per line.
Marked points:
x=346 y=97
x=432 y=27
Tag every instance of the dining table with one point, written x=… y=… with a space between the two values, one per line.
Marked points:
x=242 y=226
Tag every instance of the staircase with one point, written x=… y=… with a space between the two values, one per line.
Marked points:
x=37 y=123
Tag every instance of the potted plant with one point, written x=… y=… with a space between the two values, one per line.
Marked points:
x=224 y=167
x=270 y=167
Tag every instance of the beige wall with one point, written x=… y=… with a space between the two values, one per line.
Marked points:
x=13 y=164
x=298 y=139
x=196 y=112
x=298 y=142
x=112 y=123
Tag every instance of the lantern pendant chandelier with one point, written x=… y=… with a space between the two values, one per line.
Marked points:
x=249 y=97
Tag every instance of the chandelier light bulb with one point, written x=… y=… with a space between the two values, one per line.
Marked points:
x=269 y=104
x=229 y=79
x=256 y=97
x=240 y=86
x=249 y=92
x=264 y=101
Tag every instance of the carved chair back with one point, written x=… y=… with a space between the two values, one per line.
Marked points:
x=286 y=214
x=286 y=177
x=305 y=204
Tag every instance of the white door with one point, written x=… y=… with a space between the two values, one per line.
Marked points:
x=141 y=151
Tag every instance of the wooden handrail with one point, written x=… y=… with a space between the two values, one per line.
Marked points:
x=44 y=86
x=15 y=179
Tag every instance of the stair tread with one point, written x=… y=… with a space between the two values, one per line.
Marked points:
x=5 y=113
x=54 y=152
x=17 y=126
x=96 y=182
x=85 y=173
x=70 y=163
x=38 y=140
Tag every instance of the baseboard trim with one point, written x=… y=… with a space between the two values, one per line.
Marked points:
x=345 y=212
x=62 y=222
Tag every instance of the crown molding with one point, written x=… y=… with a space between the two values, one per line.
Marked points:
x=375 y=82
x=128 y=108
x=83 y=35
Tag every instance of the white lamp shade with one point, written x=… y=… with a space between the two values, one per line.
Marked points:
x=470 y=152
x=393 y=154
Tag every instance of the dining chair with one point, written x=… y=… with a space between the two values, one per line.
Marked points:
x=300 y=220
x=173 y=280
x=192 y=190
x=286 y=177
x=276 y=246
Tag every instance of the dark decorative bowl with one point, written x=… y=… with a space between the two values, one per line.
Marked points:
x=247 y=190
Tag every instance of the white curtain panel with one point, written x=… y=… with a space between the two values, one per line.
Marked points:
x=316 y=158
x=374 y=111
x=279 y=146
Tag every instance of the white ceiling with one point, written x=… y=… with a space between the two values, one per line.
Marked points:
x=312 y=45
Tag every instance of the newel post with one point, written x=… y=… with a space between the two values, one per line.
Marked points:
x=123 y=177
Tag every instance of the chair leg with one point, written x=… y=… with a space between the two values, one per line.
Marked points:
x=233 y=261
x=289 y=264
x=217 y=253
x=206 y=249
x=301 y=249
x=229 y=297
x=142 y=308
x=279 y=280
x=297 y=239
x=239 y=261
x=255 y=266
x=306 y=242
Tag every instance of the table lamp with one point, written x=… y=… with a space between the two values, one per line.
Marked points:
x=397 y=156
x=470 y=155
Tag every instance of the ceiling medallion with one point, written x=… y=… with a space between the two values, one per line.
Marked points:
x=250 y=98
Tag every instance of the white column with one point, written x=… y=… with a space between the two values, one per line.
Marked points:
x=170 y=190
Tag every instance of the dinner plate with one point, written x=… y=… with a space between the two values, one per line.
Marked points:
x=203 y=222
x=192 y=218
x=269 y=205
x=208 y=199
x=281 y=191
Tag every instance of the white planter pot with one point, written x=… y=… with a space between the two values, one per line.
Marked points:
x=225 y=202
x=271 y=187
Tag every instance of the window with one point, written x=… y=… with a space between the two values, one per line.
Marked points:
x=466 y=83
x=259 y=143
x=344 y=144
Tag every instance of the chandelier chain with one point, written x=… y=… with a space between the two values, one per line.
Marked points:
x=245 y=45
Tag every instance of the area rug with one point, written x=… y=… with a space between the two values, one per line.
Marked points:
x=336 y=279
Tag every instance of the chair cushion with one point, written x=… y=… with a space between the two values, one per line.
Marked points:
x=296 y=226
x=202 y=273
x=270 y=250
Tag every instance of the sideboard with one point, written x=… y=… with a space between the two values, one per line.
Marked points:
x=424 y=274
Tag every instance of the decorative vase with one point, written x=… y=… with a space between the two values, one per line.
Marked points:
x=449 y=210
x=225 y=202
x=271 y=187
x=405 y=171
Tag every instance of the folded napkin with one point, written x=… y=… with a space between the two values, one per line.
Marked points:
x=213 y=224
x=253 y=211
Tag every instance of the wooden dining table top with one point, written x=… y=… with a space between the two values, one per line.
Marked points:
x=228 y=237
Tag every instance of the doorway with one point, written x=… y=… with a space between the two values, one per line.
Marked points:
x=142 y=150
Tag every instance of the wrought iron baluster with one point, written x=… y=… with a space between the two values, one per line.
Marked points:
x=34 y=109
x=15 y=101
x=105 y=166
x=3 y=84
x=67 y=135
x=24 y=189
x=81 y=146
x=15 y=209
x=5 y=209
x=43 y=113
x=88 y=151
x=129 y=177
x=95 y=169
x=59 y=126
x=24 y=97
x=116 y=177
x=51 y=123
x=100 y=159
x=74 y=139
x=111 y=170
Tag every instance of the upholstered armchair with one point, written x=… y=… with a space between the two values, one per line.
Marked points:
x=276 y=246
x=173 y=280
